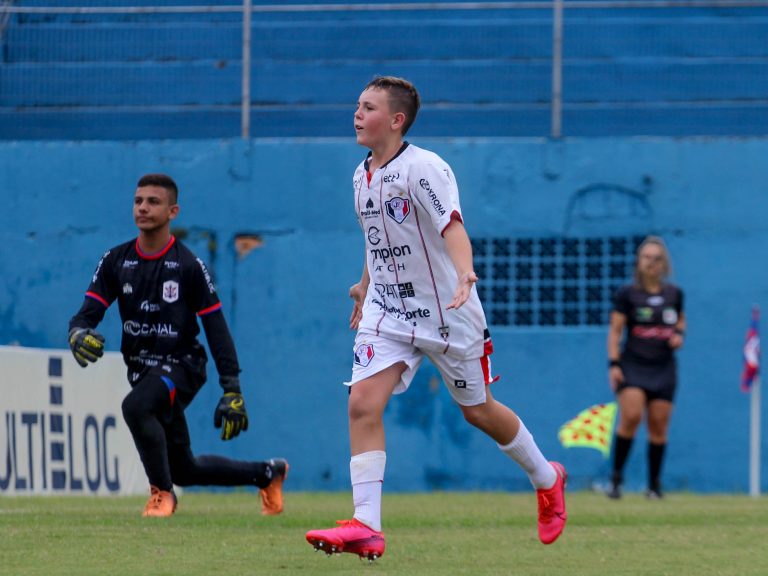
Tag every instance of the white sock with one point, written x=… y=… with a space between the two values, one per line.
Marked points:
x=367 y=473
x=525 y=452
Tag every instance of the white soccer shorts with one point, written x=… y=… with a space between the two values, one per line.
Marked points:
x=465 y=379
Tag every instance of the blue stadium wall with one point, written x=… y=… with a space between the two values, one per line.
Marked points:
x=64 y=203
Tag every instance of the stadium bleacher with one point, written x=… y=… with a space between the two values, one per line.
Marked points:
x=673 y=72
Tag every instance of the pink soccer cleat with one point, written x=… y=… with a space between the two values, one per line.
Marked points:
x=552 y=514
x=349 y=536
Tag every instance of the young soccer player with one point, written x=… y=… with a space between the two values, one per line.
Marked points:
x=162 y=289
x=416 y=298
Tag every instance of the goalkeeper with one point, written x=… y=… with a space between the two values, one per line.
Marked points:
x=161 y=289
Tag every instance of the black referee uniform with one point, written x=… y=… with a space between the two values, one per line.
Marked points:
x=647 y=361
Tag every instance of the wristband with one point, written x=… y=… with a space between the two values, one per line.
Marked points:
x=614 y=364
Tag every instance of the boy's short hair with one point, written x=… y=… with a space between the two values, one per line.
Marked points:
x=163 y=181
x=403 y=97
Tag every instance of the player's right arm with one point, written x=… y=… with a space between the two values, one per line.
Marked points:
x=86 y=343
x=615 y=331
x=357 y=292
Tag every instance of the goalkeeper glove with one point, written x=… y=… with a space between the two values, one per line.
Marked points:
x=86 y=344
x=230 y=413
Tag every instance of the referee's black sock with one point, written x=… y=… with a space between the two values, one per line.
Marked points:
x=655 y=460
x=621 y=449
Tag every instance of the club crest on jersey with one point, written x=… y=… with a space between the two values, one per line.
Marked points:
x=398 y=209
x=364 y=354
x=669 y=316
x=170 y=291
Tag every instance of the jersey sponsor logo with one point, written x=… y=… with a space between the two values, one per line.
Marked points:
x=170 y=291
x=391 y=177
x=364 y=354
x=127 y=288
x=653 y=332
x=644 y=314
x=130 y=263
x=386 y=253
x=171 y=264
x=669 y=316
x=147 y=358
x=148 y=306
x=207 y=276
x=656 y=300
x=424 y=183
x=159 y=329
x=369 y=212
x=401 y=290
x=99 y=265
x=409 y=315
x=373 y=235
x=398 y=209
x=399 y=267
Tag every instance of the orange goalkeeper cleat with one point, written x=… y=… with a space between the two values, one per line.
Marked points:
x=161 y=503
x=272 y=495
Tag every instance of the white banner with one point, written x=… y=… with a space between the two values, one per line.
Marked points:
x=62 y=428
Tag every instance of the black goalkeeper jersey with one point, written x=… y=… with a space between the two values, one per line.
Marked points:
x=651 y=320
x=159 y=296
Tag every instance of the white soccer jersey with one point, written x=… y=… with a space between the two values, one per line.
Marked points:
x=403 y=211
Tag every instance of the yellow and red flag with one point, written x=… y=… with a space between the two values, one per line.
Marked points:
x=592 y=428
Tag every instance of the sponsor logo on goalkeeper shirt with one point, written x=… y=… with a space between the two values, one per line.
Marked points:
x=159 y=329
x=207 y=276
x=99 y=265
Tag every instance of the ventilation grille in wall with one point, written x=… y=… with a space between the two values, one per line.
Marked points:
x=555 y=281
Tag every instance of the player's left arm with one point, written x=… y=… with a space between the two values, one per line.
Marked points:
x=434 y=187
x=230 y=414
x=459 y=250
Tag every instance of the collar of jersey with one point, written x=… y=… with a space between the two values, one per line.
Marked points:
x=155 y=255
x=368 y=158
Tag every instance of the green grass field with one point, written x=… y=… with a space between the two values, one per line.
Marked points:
x=427 y=534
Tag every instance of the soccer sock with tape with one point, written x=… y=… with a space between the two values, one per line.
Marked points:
x=367 y=473
x=525 y=452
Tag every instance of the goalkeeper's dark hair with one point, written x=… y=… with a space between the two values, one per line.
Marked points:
x=163 y=181
x=403 y=97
